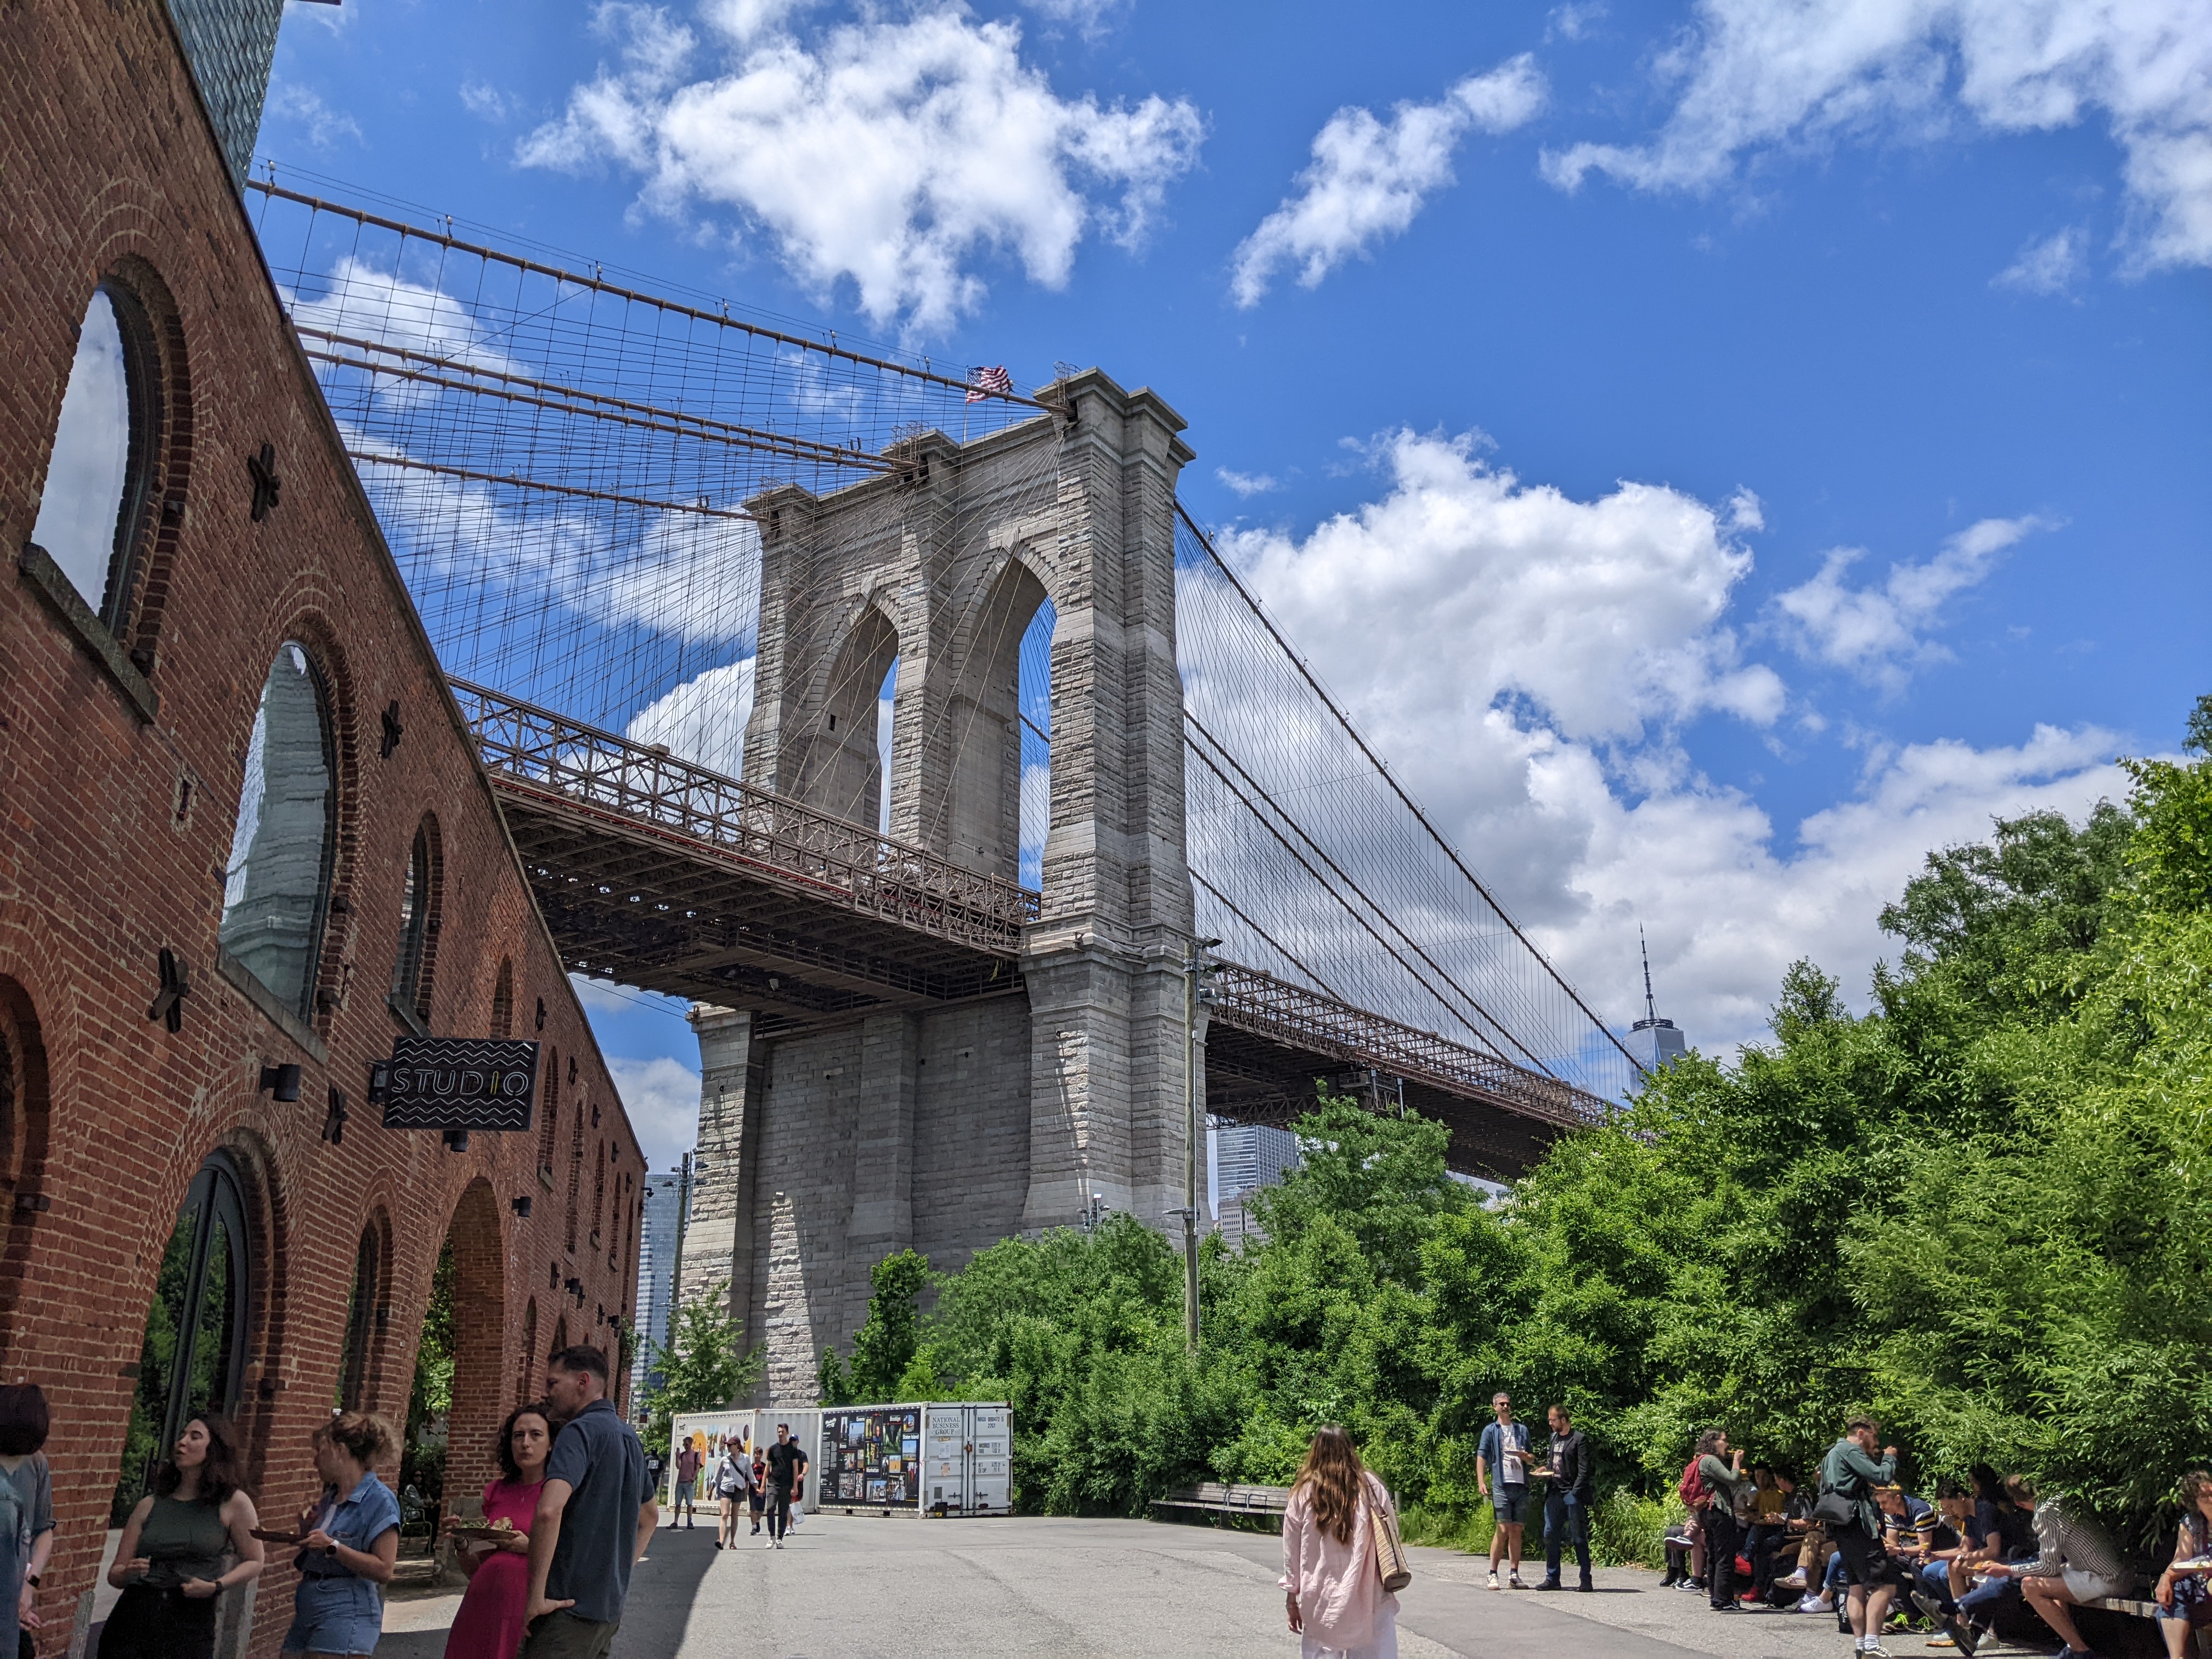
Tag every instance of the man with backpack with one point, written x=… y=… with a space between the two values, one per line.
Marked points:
x=733 y=1480
x=1850 y=1475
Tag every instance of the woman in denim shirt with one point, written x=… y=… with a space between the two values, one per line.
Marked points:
x=350 y=1542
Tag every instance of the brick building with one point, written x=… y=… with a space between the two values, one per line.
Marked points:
x=227 y=759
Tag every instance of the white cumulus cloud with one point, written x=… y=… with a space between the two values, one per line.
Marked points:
x=1369 y=178
x=2050 y=264
x=1247 y=484
x=1758 y=74
x=1529 y=661
x=1880 y=632
x=662 y=1096
x=701 y=721
x=891 y=153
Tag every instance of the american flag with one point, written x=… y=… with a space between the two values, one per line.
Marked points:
x=982 y=382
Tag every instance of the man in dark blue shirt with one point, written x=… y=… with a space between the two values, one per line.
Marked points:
x=1566 y=1509
x=594 y=1515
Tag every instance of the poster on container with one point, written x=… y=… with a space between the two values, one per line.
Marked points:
x=871 y=1457
x=705 y=1432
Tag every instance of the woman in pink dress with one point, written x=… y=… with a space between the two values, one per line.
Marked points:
x=1332 y=1580
x=490 y=1625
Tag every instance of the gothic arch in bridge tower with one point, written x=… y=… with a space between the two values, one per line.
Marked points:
x=837 y=763
x=975 y=815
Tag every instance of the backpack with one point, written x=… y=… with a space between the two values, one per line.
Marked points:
x=1691 y=1486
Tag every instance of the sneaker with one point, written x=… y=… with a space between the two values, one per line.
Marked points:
x=779 y=1543
x=1669 y=1582
x=1816 y=1604
x=769 y=1544
x=1551 y=1584
x=1793 y=1580
x=1494 y=1584
x=717 y=1543
x=1726 y=1606
x=1513 y=1581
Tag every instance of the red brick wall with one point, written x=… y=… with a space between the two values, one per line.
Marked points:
x=107 y=165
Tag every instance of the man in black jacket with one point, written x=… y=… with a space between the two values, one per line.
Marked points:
x=1567 y=1507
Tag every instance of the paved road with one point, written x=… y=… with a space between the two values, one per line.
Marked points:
x=849 y=1588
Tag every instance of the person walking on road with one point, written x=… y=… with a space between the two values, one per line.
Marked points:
x=1332 y=1578
x=686 y=1492
x=1725 y=1494
x=596 y=1513
x=1566 y=1502
x=787 y=1469
x=1850 y=1472
x=758 y=1498
x=1501 y=1470
x=733 y=1480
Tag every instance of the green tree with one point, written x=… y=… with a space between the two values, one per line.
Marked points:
x=704 y=1367
x=884 y=1344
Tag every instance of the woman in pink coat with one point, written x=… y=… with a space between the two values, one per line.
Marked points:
x=1331 y=1577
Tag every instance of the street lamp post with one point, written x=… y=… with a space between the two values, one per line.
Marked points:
x=1196 y=1004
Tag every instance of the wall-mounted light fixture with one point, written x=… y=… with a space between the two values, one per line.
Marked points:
x=522 y=1207
x=280 y=1082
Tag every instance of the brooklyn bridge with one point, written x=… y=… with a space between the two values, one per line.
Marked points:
x=903 y=720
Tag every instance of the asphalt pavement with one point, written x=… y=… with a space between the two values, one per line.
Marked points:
x=869 y=1587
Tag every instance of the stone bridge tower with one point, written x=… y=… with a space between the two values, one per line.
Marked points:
x=948 y=1128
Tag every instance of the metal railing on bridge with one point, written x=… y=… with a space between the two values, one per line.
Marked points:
x=1257 y=1002
x=566 y=766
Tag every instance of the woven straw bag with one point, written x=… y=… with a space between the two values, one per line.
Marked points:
x=1390 y=1557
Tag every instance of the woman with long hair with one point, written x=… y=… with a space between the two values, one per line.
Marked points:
x=490 y=1625
x=1332 y=1579
x=27 y=1509
x=349 y=1543
x=169 y=1562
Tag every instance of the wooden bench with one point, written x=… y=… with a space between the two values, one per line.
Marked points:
x=1236 y=1501
x=2135 y=1607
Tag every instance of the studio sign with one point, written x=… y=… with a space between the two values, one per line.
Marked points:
x=458 y=1082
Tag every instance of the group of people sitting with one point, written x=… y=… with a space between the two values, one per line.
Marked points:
x=1859 y=1545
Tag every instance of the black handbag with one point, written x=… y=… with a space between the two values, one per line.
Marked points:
x=1833 y=1508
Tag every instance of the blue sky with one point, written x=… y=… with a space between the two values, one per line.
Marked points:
x=1626 y=325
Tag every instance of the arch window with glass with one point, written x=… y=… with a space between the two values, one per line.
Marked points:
x=193 y=1358
x=502 y=1000
x=276 y=885
x=93 y=511
x=548 y=1124
x=361 y=1323
x=418 y=929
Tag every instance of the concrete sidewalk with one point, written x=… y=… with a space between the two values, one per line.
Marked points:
x=862 y=1587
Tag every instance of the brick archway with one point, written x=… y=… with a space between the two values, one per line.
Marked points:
x=480 y=1374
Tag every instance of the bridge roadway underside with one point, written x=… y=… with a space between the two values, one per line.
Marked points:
x=1252 y=1078
x=629 y=902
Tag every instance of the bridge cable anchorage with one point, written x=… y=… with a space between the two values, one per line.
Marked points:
x=598 y=284
x=1436 y=836
x=1338 y=870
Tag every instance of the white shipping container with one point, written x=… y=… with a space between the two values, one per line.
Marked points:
x=968 y=1466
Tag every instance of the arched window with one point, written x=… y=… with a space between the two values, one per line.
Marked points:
x=194 y=1355
x=410 y=981
x=525 y=1370
x=502 y=1000
x=576 y=1172
x=276 y=885
x=548 y=1124
x=361 y=1322
x=92 y=513
x=598 y=1193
